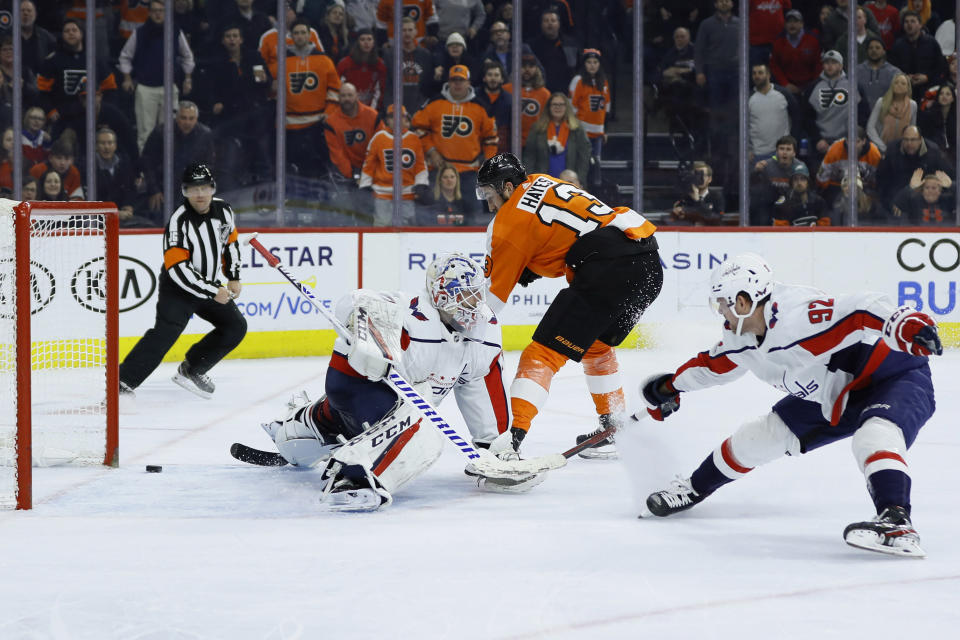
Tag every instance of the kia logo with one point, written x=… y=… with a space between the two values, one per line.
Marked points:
x=137 y=283
x=43 y=287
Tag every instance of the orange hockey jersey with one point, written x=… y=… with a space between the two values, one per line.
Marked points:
x=461 y=131
x=313 y=84
x=420 y=10
x=347 y=138
x=268 y=46
x=532 y=102
x=378 y=167
x=536 y=227
x=590 y=104
x=133 y=13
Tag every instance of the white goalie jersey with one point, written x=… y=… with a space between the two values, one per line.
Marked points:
x=817 y=348
x=436 y=359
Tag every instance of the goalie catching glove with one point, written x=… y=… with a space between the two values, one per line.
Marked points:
x=912 y=332
x=376 y=325
x=659 y=395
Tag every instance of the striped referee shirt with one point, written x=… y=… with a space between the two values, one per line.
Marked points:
x=196 y=245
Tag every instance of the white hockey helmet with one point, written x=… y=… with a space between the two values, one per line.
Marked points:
x=458 y=290
x=747 y=273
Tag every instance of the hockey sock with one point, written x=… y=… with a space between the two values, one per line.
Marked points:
x=888 y=488
x=603 y=378
x=719 y=468
x=530 y=388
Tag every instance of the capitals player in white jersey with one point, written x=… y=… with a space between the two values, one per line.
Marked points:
x=368 y=441
x=854 y=367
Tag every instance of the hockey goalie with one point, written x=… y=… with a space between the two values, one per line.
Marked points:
x=366 y=441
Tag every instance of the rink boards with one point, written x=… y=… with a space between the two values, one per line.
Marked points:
x=911 y=266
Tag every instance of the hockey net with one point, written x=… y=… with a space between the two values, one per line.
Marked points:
x=58 y=340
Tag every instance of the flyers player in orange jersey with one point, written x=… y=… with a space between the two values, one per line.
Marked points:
x=547 y=227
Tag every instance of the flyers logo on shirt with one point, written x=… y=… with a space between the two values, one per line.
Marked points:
x=411 y=11
x=406 y=155
x=487 y=266
x=455 y=126
x=829 y=97
x=301 y=81
x=74 y=81
x=596 y=102
x=354 y=136
x=530 y=107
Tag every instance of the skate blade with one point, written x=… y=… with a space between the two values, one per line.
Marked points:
x=599 y=454
x=870 y=541
x=192 y=388
x=646 y=514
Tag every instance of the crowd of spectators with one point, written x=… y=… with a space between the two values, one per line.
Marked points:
x=457 y=95
x=456 y=59
x=904 y=105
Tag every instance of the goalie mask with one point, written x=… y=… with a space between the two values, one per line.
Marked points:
x=457 y=290
x=747 y=273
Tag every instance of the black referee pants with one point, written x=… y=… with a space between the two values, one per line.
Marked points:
x=174 y=308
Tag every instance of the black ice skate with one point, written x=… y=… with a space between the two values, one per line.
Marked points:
x=606 y=448
x=193 y=382
x=680 y=496
x=890 y=532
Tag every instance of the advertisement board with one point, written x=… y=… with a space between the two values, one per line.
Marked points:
x=909 y=266
x=279 y=321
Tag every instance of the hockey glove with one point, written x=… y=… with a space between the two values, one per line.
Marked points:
x=527 y=277
x=506 y=446
x=660 y=396
x=912 y=332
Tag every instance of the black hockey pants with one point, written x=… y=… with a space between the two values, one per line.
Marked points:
x=174 y=308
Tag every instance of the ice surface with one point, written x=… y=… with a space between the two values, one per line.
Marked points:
x=213 y=548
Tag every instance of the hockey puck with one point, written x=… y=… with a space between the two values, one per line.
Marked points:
x=154 y=468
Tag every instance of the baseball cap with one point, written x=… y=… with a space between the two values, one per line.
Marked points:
x=456 y=38
x=834 y=55
x=403 y=110
x=528 y=58
x=793 y=14
x=459 y=71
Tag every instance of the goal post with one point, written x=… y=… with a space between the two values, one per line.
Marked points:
x=59 y=313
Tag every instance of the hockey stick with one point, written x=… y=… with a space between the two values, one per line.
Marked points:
x=484 y=462
x=600 y=437
x=243 y=453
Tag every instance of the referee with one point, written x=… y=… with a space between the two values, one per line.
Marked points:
x=200 y=236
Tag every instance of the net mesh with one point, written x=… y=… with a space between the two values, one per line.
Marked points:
x=68 y=350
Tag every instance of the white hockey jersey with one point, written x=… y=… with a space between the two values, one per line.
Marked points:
x=436 y=360
x=817 y=347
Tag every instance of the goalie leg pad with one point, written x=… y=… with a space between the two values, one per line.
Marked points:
x=297 y=438
x=395 y=450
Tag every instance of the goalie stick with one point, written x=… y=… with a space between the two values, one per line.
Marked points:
x=483 y=461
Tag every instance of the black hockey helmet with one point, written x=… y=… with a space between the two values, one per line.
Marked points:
x=197 y=173
x=503 y=167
